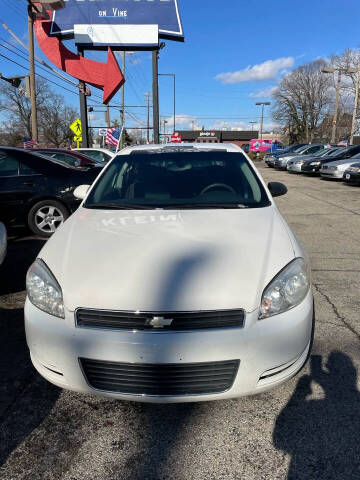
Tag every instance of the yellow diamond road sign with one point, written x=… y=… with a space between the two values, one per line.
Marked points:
x=76 y=127
x=77 y=139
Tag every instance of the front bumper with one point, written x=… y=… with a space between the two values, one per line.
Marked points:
x=334 y=174
x=270 y=351
x=280 y=166
x=310 y=169
x=294 y=167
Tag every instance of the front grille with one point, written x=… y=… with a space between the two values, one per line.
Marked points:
x=160 y=379
x=159 y=321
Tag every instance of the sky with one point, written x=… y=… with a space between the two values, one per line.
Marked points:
x=235 y=52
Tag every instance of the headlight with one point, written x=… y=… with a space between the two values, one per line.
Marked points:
x=315 y=163
x=43 y=290
x=287 y=289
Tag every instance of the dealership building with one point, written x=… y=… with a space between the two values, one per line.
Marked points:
x=240 y=137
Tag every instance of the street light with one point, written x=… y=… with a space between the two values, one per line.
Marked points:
x=174 y=78
x=262 y=116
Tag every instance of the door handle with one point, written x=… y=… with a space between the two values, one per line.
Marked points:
x=29 y=184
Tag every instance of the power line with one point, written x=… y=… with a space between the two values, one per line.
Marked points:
x=41 y=76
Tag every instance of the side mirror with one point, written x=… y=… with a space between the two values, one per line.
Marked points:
x=277 y=189
x=80 y=192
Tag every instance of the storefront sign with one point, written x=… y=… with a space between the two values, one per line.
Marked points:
x=93 y=13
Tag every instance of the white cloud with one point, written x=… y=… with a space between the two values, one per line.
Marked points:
x=223 y=125
x=257 y=73
x=266 y=93
x=183 y=121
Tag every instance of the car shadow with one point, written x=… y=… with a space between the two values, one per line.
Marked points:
x=161 y=429
x=322 y=435
x=25 y=399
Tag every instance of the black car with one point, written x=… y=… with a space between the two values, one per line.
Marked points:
x=313 y=165
x=37 y=191
x=352 y=174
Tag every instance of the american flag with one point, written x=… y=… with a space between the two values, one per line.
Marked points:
x=29 y=142
x=113 y=136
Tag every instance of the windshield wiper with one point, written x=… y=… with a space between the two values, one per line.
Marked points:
x=204 y=206
x=118 y=206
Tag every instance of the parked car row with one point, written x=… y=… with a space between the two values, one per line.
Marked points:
x=329 y=161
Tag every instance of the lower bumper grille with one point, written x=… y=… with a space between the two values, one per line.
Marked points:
x=160 y=379
x=159 y=321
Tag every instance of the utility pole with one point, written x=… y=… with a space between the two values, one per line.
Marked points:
x=107 y=116
x=262 y=117
x=147 y=100
x=34 y=122
x=83 y=109
x=333 y=135
x=122 y=140
x=252 y=125
x=356 y=102
x=155 y=65
x=333 y=70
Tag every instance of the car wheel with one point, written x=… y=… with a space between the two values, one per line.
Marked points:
x=46 y=217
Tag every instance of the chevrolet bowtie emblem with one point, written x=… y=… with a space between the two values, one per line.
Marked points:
x=160 y=322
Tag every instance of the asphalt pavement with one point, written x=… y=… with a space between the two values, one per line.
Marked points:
x=308 y=429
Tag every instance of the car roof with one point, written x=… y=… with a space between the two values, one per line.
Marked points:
x=179 y=147
x=64 y=150
x=105 y=150
x=36 y=154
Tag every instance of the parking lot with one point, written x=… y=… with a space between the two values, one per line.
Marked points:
x=307 y=429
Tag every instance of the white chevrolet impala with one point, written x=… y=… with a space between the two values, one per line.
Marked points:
x=176 y=280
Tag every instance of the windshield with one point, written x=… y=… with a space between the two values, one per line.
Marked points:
x=334 y=152
x=325 y=153
x=299 y=148
x=179 y=180
x=302 y=149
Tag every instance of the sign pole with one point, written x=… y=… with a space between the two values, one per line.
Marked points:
x=83 y=110
x=155 y=63
x=34 y=123
x=123 y=100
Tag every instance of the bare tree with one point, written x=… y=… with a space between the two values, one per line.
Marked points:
x=54 y=116
x=302 y=101
x=54 y=121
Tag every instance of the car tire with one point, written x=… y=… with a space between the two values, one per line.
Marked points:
x=45 y=217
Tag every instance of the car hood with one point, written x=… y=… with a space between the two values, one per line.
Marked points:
x=320 y=159
x=342 y=164
x=288 y=156
x=168 y=260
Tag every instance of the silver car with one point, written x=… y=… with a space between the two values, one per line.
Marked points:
x=336 y=170
x=296 y=164
x=309 y=150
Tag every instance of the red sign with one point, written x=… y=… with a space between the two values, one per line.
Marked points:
x=176 y=139
x=106 y=76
